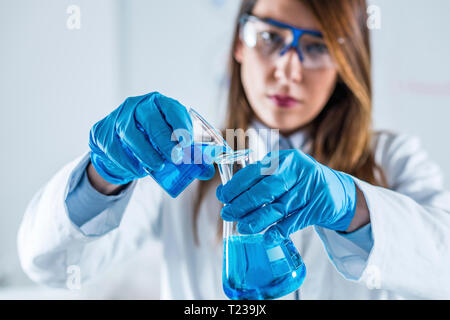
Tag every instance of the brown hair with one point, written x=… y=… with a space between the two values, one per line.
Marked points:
x=342 y=133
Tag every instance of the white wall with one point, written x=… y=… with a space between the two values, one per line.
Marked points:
x=412 y=73
x=55 y=83
x=179 y=48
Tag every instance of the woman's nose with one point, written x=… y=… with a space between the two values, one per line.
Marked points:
x=289 y=67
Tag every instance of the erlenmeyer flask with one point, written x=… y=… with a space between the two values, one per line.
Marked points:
x=206 y=143
x=252 y=268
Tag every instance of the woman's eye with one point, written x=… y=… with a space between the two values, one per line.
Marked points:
x=316 y=48
x=271 y=37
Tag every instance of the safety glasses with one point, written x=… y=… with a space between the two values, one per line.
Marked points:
x=272 y=39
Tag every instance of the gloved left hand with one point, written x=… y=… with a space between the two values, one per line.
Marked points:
x=300 y=192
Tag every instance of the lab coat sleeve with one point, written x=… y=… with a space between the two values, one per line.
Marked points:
x=361 y=237
x=410 y=225
x=50 y=244
x=84 y=202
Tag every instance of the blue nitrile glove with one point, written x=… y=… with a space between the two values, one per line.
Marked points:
x=300 y=192
x=137 y=137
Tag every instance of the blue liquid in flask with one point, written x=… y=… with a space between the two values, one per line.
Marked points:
x=174 y=178
x=255 y=272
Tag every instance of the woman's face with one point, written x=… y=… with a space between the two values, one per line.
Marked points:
x=269 y=84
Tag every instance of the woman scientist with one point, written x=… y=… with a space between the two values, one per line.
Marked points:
x=367 y=211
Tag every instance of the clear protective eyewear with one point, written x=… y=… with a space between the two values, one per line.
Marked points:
x=272 y=39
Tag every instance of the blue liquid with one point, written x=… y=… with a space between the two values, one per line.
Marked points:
x=175 y=178
x=255 y=272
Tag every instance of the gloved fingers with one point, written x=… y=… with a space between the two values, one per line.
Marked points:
x=290 y=224
x=297 y=197
x=175 y=114
x=241 y=181
x=117 y=154
x=150 y=115
x=282 y=185
x=265 y=191
x=123 y=156
x=279 y=166
x=140 y=147
x=262 y=218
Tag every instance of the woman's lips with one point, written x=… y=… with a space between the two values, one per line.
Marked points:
x=284 y=101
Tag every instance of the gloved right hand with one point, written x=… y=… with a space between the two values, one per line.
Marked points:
x=137 y=138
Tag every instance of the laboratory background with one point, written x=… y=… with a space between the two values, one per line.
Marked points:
x=64 y=65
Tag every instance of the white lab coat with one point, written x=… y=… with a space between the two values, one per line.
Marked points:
x=410 y=227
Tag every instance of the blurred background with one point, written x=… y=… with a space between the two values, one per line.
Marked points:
x=58 y=78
